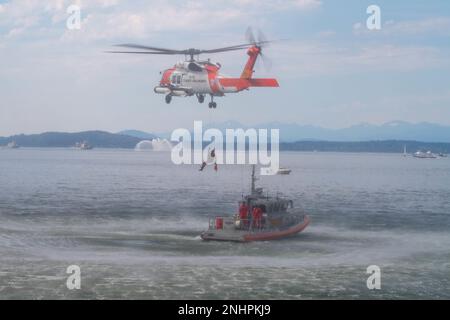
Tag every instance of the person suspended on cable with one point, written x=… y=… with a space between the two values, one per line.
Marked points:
x=210 y=160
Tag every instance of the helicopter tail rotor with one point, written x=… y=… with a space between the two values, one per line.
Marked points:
x=260 y=42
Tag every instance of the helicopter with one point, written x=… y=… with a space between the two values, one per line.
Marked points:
x=201 y=77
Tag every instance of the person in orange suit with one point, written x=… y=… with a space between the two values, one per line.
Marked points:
x=243 y=213
x=257 y=215
x=259 y=219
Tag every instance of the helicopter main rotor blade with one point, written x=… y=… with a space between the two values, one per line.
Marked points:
x=185 y=52
x=225 y=49
x=141 y=52
x=236 y=47
x=138 y=46
x=250 y=36
x=239 y=46
x=192 y=51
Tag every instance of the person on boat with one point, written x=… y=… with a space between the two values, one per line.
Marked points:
x=262 y=220
x=260 y=214
x=256 y=217
x=243 y=213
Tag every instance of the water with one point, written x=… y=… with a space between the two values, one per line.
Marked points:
x=131 y=221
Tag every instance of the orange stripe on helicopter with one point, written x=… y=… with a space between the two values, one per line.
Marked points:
x=241 y=84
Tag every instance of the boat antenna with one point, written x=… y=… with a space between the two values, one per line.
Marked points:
x=253 y=180
x=242 y=181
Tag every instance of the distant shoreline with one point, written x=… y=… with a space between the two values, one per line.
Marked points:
x=103 y=139
x=380 y=146
x=167 y=151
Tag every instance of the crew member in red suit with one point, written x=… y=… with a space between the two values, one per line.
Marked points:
x=243 y=214
x=257 y=215
x=259 y=219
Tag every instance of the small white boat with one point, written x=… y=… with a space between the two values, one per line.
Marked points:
x=284 y=171
x=424 y=155
x=272 y=172
x=83 y=145
x=12 y=145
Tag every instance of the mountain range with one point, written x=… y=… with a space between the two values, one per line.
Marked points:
x=65 y=139
x=388 y=137
x=395 y=130
x=138 y=134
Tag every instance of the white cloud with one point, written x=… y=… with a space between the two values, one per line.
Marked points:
x=435 y=26
x=316 y=58
x=306 y=4
x=143 y=23
x=278 y=4
x=107 y=19
x=113 y=19
x=439 y=25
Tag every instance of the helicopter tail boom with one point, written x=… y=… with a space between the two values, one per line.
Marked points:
x=263 y=82
x=242 y=84
x=253 y=53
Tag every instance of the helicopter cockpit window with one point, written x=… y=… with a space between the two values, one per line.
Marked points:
x=176 y=79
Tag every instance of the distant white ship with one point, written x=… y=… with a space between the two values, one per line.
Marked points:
x=424 y=155
x=12 y=145
x=279 y=171
x=83 y=145
x=284 y=171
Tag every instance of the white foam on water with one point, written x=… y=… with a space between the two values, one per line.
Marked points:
x=154 y=145
x=318 y=245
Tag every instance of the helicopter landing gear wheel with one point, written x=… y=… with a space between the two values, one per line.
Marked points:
x=168 y=98
x=212 y=104
x=201 y=98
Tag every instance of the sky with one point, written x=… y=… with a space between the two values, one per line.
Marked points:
x=333 y=71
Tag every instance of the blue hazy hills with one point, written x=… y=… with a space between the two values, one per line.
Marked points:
x=395 y=130
x=388 y=137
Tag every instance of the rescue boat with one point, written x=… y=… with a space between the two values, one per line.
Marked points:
x=260 y=218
